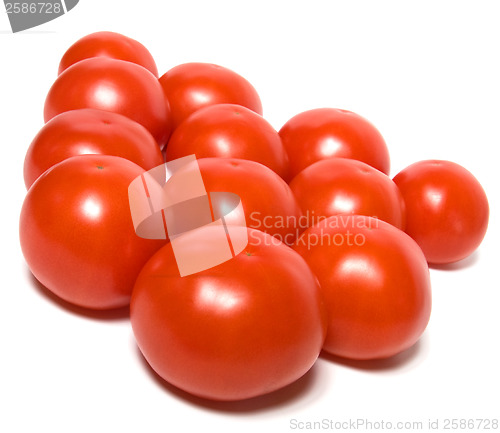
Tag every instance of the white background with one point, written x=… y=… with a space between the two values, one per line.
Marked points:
x=425 y=73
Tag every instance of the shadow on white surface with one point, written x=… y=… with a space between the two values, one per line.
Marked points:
x=103 y=315
x=302 y=389
x=403 y=361
x=466 y=263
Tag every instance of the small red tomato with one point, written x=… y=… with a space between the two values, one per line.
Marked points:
x=325 y=133
x=268 y=202
x=77 y=235
x=447 y=209
x=112 y=85
x=244 y=328
x=108 y=44
x=89 y=131
x=346 y=186
x=228 y=130
x=375 y=282
x=191 y=86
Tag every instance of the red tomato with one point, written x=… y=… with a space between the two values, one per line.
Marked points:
x=77 y=235
x=112 y=85
x=447 y=209
x=375 y=282
x=346 y=186
x=85 y=131
x=246 y=327
x=228 y=130
x=108 y=44
x=191 y=86
x=267 y=200
x=329 y=132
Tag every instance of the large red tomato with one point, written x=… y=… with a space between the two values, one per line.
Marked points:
x=243 y=328
x=375 y=282
x=85 y=131
x=108 y=44
x=112 y=85
x=268 y=202
x=447 y=209
x=346 y=186
x=228 y=130
x=191 y=86
x=329 y=132
x=77 y=235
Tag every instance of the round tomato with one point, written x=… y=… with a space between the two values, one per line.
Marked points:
x=447 y=209
x=191 y=86
x=243 y=328
x=89 y=131
x=268 y=202
x=325 y=133
x=346 y=186
x=77 y=235
x=375 y=282
x=108 y=44
x=228 y=130
x=112 y=85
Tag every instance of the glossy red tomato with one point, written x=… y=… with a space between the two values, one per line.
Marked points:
x=375 y=282
x=267 y=200
x=108 y=44
x=246 y=327
x=447 y=209
x=77 y=235
x=89 y=131
x=325 y=133
x=112 y=85
x=346 y=186
x=228 y=130
x=191 y=86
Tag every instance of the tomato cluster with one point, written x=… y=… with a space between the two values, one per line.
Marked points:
x=337 y=253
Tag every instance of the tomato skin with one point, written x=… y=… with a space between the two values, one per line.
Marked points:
x=447 y=209
x=89 y=131
x=108 y=44
x=112 y=85
x=375 y=282
x=267 y=200
x=346 y=186
x=324 y=133
x=191 y=86
x=229 y=130
x=244 y=328
x=76 y=231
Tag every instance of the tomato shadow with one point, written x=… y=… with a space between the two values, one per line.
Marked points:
x=116 y=314
x=293 y=393
x=466 y=263
x=402 y=361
